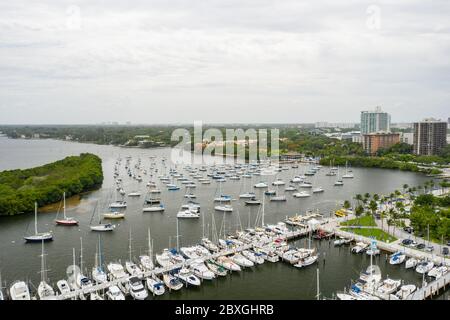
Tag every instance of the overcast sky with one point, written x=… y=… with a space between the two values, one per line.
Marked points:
x=168 y=61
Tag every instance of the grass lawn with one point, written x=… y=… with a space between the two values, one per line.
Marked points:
x=366 y=220
x=372 y=232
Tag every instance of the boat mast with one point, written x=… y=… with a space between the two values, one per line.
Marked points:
x=178 y=237
x=318 y=285
x=64 y=205
x=81 y=255
x=150 y=253
x=263 y=208
x=35 y=219
x=43 y=271
x=129 y=246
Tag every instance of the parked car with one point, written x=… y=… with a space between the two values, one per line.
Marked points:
x=445 y=251
x=407 y=242
x=408 y=229
x=420 y=246
x=429 y=248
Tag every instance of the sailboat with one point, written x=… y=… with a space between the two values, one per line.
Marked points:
x=98 y=273
x=339 y=181
x=2 y=297
x=348 y=174
x=131 y=267
x=66 y=221
x=147 y=260
x=45 y=291
x=38 y=237
x=81 y=280
x=100 y=227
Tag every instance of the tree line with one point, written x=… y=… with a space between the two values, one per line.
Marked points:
x=20 y=189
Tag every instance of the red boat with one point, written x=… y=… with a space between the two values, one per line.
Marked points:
x=66 y=221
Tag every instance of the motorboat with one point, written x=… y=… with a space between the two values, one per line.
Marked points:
x=254 y=257
x=278 y=182
x=411 y=263
x=188 y=214
x=305 y=184
x=270 y=192
x=114 y=215
x=405 y=291
x=248 y=195
x=318 y=190
x=373 y=251
x=424 y=266
x=155 y=286
x=278 y=198
x=146 y=262
x=339 y=183
x=290 y=188
x=224 y=208
x=387 y=287
x=339 y=242
x=172 y=282
x=133 y=269
x=164 y=259
x=301 y=194
x=19 y=291
x=359 y=247
x=397 y=258
x=438 y=271
x=118 y=205
x=116 y=271
x=114 y=293
x=137 y=289
x=134 y=194
x=63 y=287
x=186 y=276
x=261 y=185
x=103 y=227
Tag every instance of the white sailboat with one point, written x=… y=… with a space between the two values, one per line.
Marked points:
x=38 y=237
x=348 y=174
x=131 y=267
x=147 y=260
x=100 y=227
x=45 y=291
x=98 y=273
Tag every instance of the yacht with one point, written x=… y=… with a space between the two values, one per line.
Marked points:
x=134 y=194
x=359 y=247
x=103 y=227
x=164 y=259
x=19 y=291
x=222 y=198
x=45 y=291
x=147 y=260
x=307 y=261
x=278 y=182
x=188 y=214
x=188 y=277
x=290 y=188
x=248 y=195
x=114 y=293
x=208 y=244
x=278 y=198
x=339 y=183
x=253 y=202
x=305 y=184
x=387 y=287
x=155 y=286
x=137 y=289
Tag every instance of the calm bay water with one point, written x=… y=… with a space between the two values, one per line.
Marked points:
x=269 y=281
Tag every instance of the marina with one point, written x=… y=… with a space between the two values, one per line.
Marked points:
x=217 y=226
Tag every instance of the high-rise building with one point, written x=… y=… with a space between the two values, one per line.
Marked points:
x=375 y=121
x=430 y=136
x=373 y=142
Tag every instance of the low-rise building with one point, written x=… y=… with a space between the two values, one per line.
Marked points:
x=373 y=142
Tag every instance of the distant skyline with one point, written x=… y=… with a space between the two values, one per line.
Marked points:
x=229 y=61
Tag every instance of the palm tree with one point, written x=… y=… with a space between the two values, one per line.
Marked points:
x=405 y=186
x=367 y=195
x=347 y=205
x=373 y=206
x=358 y=211
x=376 y=197
x=358 y=198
